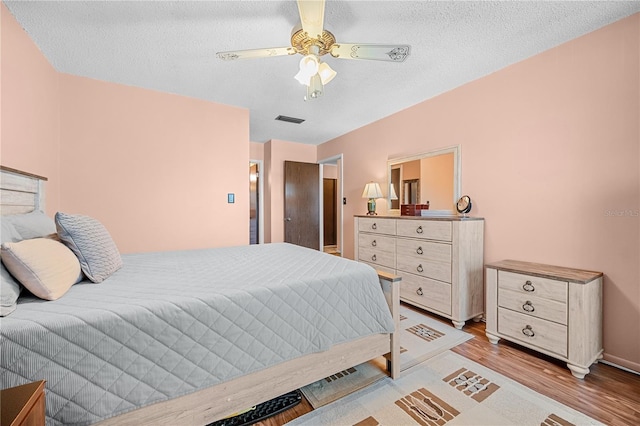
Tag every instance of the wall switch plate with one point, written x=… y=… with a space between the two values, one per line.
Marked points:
x=231 y=198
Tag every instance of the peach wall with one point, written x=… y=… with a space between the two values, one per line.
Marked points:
x=276 y=152
x=256 y=151
x=29 y=135
x=138 y=160
x=550 y=152
x=155 y=168
x=330 y=171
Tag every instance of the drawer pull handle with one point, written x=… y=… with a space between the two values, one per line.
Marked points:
x=419 y=291
x=528 y=306
x=374 y=243
x=419 y=268
x=374 y=226
x=419 y=230
x=528 y=287
x=374 y=258
x=419 y=251
x=528 y=331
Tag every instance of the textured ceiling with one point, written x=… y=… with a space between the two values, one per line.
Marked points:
x=171 y=46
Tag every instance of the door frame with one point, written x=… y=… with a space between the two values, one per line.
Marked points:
x=261 y=177
x=338 y=160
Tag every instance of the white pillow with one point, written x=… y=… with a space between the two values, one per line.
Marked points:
x=91 y=243
x=45 y=267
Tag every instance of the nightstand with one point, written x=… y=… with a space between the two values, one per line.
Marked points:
x=23 y=405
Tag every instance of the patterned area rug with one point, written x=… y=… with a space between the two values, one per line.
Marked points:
x=421 y=337
x=448 y=389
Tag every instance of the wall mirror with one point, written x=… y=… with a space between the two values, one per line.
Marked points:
x=432 y=177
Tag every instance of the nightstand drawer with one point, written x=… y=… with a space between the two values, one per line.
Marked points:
x=529 y=304
x=431 y=230
x=376 y=241
x=531 y=331
x=378 y=257
x=434 y=295
x=377 y=225
x=535 y=286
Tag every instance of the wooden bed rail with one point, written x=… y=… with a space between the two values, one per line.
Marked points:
x=391 y=287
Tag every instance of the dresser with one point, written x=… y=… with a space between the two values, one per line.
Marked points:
x=554 y=310
x=440 y=260
x=23 y=405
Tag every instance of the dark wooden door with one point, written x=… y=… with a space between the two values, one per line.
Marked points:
x=329 y=211
x=302 y=204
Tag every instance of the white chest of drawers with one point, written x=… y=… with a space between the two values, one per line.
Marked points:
x=553 y=310
x=440 y=260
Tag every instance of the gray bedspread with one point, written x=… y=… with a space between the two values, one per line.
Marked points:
x=168 y=324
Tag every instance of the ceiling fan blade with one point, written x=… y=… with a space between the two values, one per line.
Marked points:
x=312 y=17
x=255 y=53
x=376 y=52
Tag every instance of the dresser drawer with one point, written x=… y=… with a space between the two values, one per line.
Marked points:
x=377 y=256
x=377 y=225
x=536 y=286
x=420 y=249
x=532 y=331
x=428 y=229
x=424 y=268
x=434 y=295
x=529 y=304
x=376 y=241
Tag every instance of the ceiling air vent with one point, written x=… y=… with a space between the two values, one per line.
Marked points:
x=289 y=119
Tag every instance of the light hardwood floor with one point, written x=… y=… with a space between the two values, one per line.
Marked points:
x=607 y=394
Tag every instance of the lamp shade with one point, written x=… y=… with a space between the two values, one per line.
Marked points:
x=392 y=192
x=372 y=190
x=326 y=73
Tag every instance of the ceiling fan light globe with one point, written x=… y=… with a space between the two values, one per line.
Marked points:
x=309 y=65
x=326 y=73
x=303 y=78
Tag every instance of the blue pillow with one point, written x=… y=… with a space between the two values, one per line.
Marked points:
x=31 y=225
x=92 y=244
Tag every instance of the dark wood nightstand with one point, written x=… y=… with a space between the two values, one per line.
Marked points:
x=23 y=405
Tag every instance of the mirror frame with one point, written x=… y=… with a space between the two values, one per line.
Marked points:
x=456 y=172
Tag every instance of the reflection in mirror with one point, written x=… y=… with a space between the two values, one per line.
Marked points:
x=432 y=177
x=411 y=191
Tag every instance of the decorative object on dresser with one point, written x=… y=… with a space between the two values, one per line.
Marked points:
x=551 y=309
x=23 y=405
x=440 y=260
x=464 y=205
x=372 y=191
x=413 y=209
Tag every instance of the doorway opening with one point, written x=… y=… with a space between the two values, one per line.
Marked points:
x=330 y=215
x=331 y=218
x=256 y=221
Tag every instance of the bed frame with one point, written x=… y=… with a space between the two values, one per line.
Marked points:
x=23 y=192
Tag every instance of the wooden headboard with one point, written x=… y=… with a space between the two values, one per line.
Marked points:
x=20 y=192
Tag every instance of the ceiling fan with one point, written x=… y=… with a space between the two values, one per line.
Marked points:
x=312 y=41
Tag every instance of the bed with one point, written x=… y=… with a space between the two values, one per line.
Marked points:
x=192 y=336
